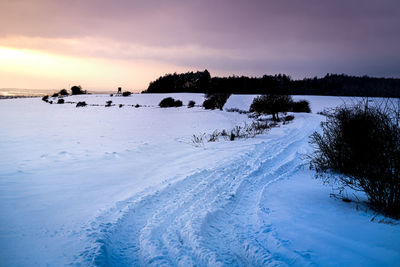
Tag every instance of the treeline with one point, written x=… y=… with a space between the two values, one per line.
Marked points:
x=331 y=84
x=191 y=82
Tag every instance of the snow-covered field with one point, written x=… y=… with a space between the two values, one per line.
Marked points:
x=127 y=186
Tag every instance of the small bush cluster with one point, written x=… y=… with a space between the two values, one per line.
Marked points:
x=45 y=98
x=215 y=100
x=170 y=102
x=108 y=103
x=81 y=104
x=191 y=104
x=60 y=101
x=63 y=92
x=359 y=148
x=126 y=93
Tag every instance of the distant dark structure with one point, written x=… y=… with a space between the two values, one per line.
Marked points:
x=331 y=84
x=119 y=90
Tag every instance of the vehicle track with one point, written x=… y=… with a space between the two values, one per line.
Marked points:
x=210 y=218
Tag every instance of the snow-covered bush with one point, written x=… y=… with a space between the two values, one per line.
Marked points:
x=169 y=102
x=271 y=104
x=81 y=104
x=301 y=106
x=360 y=148
x=191 y=104
x=215 y=100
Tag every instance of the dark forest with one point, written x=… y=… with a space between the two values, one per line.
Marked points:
x=330 y=85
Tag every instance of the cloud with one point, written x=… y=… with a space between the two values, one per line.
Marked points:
x=295 y=37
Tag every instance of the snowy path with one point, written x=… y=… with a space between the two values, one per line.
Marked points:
x=124 y=187
x=212 y=217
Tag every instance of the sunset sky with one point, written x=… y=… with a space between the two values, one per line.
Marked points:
x=103 y=44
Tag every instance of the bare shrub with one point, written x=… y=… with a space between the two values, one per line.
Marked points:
x=198 y=139
x=245 y=131
x=359 y=148
x=214 y=136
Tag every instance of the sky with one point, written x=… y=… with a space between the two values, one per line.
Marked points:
x=104 y=44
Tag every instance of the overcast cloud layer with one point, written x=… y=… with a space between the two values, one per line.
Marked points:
x=300 y=38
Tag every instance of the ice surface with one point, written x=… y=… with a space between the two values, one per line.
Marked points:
x=126 y=186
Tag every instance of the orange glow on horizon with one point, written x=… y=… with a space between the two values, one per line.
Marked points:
x=24 y=68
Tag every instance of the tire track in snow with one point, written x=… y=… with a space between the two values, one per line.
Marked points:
x=238 y=233
x=212 y=217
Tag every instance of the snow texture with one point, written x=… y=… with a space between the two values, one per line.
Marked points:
x=110 y=186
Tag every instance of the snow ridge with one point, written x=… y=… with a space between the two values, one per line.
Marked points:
x=213 y=217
